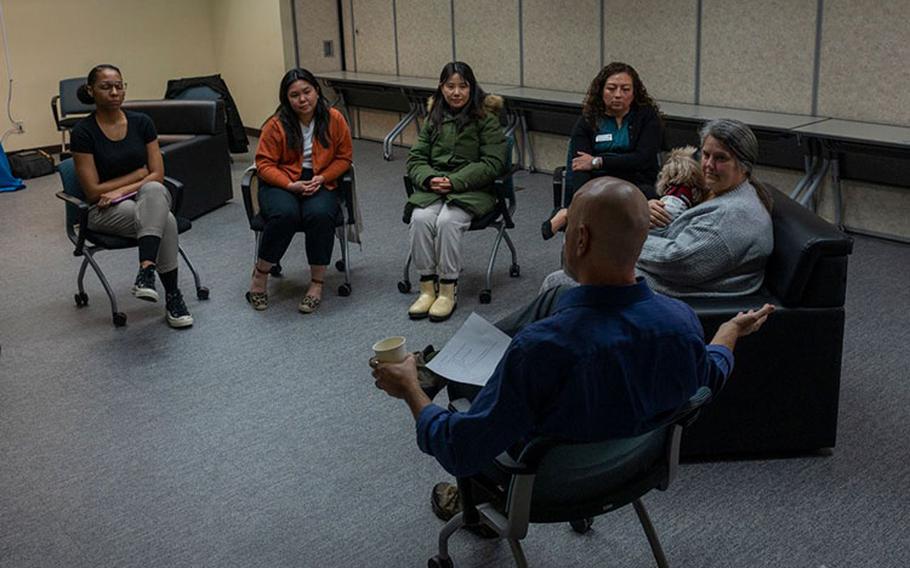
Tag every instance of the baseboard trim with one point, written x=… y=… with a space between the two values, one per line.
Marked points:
x=252 y=131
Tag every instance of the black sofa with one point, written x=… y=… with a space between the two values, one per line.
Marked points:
x=194 y=144
x=783 y=394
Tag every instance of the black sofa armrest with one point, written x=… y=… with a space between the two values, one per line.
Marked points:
x=808 y=266
x=202 y=164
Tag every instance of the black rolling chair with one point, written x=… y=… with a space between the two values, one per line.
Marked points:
x=88 y=242
x=499 y=219
x=68 y=110
x=249 y=186
x=556 y=481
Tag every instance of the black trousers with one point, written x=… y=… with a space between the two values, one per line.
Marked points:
x=286 y=213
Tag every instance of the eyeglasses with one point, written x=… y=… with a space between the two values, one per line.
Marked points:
x=120 y=86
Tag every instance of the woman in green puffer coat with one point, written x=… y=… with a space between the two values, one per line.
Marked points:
x=460 y=151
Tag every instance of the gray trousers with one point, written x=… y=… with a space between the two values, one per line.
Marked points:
x=435 y=233
x=148 y=214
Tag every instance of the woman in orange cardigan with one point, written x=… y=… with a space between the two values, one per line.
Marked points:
x=303 y=149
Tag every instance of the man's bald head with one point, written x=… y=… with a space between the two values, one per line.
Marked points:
x=609 y=220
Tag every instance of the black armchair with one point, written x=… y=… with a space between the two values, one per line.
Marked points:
x=784 y=391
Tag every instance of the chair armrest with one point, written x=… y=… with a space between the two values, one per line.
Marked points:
x=502 y=195
x=176 y=189
x=346 y=193
x=408 y=186
x=245 y=183
x=83 y=209
x=82 y=205
x=513 y=169
x=505 y=462
x=54 y=100
x=559 y=185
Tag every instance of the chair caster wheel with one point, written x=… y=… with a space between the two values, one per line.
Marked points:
x=581 y=526
x=81 y=299
x=202 y=293
x=339 y=266
x=437 y=562
x=275 y=270
x=404 y=286
x=485 y=296
x=514 y=271
x=344 y=290
x=119 y=319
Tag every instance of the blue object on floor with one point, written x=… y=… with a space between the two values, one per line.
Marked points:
x=7 y=181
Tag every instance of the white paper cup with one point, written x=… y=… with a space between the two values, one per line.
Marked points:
x=390 y=349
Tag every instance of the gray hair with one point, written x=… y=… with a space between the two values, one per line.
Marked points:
x=736 y=136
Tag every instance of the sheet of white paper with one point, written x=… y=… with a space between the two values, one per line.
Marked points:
x=472 y=354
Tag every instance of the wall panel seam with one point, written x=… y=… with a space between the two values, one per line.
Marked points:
x=354 y=44
x=521 y=44
x=452 y=22
x=294 y=25
x=602 y=32
x=698 y=39
x=395 y=34
x=816 y=67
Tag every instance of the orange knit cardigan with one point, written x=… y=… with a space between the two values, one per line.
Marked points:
x=279 y=166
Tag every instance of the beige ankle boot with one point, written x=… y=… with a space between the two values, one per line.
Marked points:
x=445 y=303
x=421 y=307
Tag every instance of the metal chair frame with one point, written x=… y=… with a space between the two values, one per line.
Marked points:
x=249 y=186
x=85 y=241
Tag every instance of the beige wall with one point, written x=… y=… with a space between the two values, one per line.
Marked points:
x=249 y=42
x=250 y=53
x=51 y=40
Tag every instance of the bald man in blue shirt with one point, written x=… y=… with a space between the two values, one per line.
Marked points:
x=611 y=359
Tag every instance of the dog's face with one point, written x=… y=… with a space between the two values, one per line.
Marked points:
x=681 y=168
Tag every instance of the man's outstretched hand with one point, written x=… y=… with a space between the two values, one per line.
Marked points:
x=751 y=321
x=741 y=325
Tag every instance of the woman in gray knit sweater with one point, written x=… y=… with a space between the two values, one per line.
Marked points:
x=719 y=247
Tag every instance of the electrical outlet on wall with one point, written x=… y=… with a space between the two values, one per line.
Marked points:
x=328 y=48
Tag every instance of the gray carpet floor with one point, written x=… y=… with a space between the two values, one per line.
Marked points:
x=258 y=440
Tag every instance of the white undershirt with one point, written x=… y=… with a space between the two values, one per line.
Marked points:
x=306 y=130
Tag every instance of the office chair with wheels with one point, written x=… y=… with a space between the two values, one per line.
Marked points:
x=87 y=242
x=249 y=186
x=556 y=481
x=68 y=110
x=499 y=219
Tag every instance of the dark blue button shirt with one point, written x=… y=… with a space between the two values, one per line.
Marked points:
x=611 y=362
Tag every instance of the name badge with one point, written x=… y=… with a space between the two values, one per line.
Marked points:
x=603 y=138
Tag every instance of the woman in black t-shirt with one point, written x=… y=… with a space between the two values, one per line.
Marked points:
x=120 y=169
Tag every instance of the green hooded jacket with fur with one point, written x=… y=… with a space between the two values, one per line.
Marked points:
x=471 y=159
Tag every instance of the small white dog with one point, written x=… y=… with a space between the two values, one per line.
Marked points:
x=680 y=182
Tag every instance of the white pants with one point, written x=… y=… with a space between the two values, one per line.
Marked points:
x=435 y=234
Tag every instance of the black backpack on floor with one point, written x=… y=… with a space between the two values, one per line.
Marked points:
x=28 y=164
